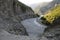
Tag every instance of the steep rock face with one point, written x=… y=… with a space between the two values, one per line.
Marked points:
x=11 y=13
x=23 y=11
x=52 y=32
x=49 y=6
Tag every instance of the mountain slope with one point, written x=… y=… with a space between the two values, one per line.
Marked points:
x=36 y=7
x=12 y=12
x=53 y=14
x=49 y=6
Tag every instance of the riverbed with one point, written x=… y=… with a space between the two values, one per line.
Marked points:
x=33 y=27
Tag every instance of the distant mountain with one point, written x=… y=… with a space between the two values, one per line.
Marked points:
x=36 y=7
x=36 y=10
x=33 y=6
x=49 y=6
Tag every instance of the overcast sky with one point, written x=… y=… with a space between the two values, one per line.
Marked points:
x=29 y=2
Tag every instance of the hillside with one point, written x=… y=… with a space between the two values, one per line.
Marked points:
x=37 y=8
x=52 y=14
x=23 y=11
x=12 y=12
x=49 y=6
x=51 y=19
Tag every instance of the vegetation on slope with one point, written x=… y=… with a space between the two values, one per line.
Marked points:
x=52 y=14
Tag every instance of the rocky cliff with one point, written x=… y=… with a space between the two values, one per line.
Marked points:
x=23 y=11
x=51 y=33
x=12 y=12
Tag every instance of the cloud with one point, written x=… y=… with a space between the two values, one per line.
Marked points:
x=29 y=2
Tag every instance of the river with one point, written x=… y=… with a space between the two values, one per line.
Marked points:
x=33 y=27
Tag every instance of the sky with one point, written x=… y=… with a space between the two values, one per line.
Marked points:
x=29 y=2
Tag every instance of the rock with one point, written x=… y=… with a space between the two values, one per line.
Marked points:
x=22 y=11
x=13 y=27
x=52 y=33
x=43 y=38
x=12 y=12
x=7 y=36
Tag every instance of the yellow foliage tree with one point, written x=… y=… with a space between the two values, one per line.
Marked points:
x=52 y=14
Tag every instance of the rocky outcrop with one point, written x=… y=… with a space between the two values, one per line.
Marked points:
x=52 y=32
x=12 y=12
